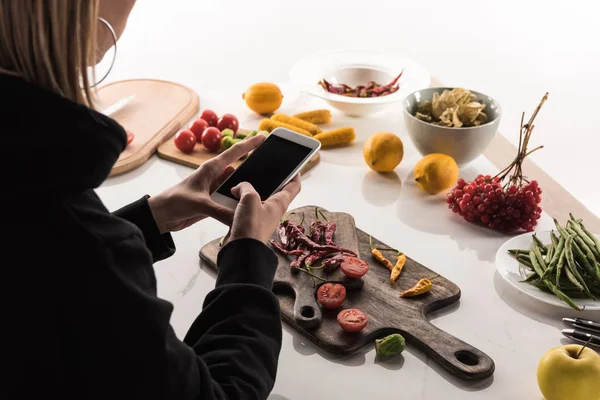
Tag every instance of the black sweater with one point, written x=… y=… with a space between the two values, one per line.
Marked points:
x=81 y=319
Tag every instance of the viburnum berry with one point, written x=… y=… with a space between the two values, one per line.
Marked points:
x=507 y=202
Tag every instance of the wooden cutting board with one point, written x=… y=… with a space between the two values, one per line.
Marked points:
x=158 y=110
x=200 y=155
x=373 y=294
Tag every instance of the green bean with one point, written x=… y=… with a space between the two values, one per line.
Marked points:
x=550 y=254
x=583 y=245
x=577 y=226
x=553 y=238
x=517 y=252
x=538 y=253
x=542 y=246
x=530 y=277
x=535 y=264
x=583 y=261
x=561 y=229
x=554 y=289
x=572 y=267
x=559 y=265
x=555 y=259
x=525 y=261
x=591 y=236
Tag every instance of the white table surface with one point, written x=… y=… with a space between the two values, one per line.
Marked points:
x=513 y=51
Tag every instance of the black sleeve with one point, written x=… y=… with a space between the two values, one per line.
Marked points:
x=160 y=245
x=230 y=352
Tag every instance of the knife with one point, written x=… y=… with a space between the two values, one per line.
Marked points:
x=113 y=108
x=582 y=337
x=580 y=323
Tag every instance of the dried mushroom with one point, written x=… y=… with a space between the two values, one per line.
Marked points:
x=454 y=108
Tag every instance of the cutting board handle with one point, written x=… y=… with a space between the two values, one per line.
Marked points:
x=307 y=313
x=456 y=356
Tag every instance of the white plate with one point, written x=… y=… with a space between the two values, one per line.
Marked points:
x=336 y=65
x=513 y=272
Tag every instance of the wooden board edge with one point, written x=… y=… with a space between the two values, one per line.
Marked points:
x=167 y=131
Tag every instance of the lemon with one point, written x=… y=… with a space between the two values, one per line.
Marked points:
x=383 y=151
x=436 y=172
x=263 y=98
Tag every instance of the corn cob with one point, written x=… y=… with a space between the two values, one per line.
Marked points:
x=287 y=119
x=268 y=125
x=336 y=137
x=315 y=117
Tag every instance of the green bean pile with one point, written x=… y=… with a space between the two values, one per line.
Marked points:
x=569 y=267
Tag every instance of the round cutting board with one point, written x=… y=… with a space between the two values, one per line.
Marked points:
x=156 y=112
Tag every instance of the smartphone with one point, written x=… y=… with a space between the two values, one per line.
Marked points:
x=270 y=166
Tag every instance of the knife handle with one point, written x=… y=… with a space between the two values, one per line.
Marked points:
x=586 y=324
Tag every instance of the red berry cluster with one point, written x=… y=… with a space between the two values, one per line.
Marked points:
x=485 y=202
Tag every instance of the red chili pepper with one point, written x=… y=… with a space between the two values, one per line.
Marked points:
x=332 y=263
x=316 y=231
x=317 y=255
x=298 y=262
x=330 y=228
x=284 y=250
x=301 y=238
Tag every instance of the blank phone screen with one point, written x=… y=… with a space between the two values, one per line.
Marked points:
x=267 y=167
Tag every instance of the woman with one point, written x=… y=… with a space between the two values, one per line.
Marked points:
x=84 y=319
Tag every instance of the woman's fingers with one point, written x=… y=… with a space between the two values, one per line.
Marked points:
x=214 y=185
x=246 y=193
x=282 y=199
x=220 y=213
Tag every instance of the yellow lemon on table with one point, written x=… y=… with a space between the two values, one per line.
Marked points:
x=383 y=151
x=436 y=172
x=263 y=98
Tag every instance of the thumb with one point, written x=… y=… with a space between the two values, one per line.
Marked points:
x=246 y=193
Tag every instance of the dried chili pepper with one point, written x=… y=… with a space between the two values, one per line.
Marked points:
x=332 y=263
x=397 y=270
x=423 y=286
x=371 y=89
x=316 y=231
x=330 y=228
x=284 y=250
x=299 y=261
x=302 y=239
x=317 y=256
x=379 y=257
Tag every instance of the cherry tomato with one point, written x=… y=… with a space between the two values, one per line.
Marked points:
x=352 y=319
x=211 y=139
x=185 y=141
x=331 y=296
x=228 y=121
x=210 y=116
x=130 y=137
x=354 y=267
x=198 y=128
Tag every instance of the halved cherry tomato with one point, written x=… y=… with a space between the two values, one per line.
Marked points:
x=354 y=267
x=130 y=137
x=228 y=121
x=210 y=116
x=185 y=141
x=331 y=296
x=198 y=128
x=352 y=319
x=211 y=139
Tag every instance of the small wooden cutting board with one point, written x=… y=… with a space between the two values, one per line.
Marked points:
x=374 y=294
x=200 y=155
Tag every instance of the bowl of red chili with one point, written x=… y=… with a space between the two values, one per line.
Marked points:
x=359 y=83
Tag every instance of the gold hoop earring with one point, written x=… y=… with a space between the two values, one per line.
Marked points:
x=114 y=36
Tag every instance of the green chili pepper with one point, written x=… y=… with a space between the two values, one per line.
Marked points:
x=573 y=267
x=542 y=246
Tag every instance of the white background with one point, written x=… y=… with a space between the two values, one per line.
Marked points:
x=513 y=51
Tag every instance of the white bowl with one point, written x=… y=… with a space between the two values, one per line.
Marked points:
x=462 y=144
x=356 y=68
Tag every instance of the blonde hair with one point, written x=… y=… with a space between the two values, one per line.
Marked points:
x=50 y=43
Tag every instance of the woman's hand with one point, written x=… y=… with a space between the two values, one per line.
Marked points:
x=189 y=201
x=258 y=220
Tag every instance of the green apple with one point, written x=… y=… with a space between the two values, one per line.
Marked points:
x=562 y=375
